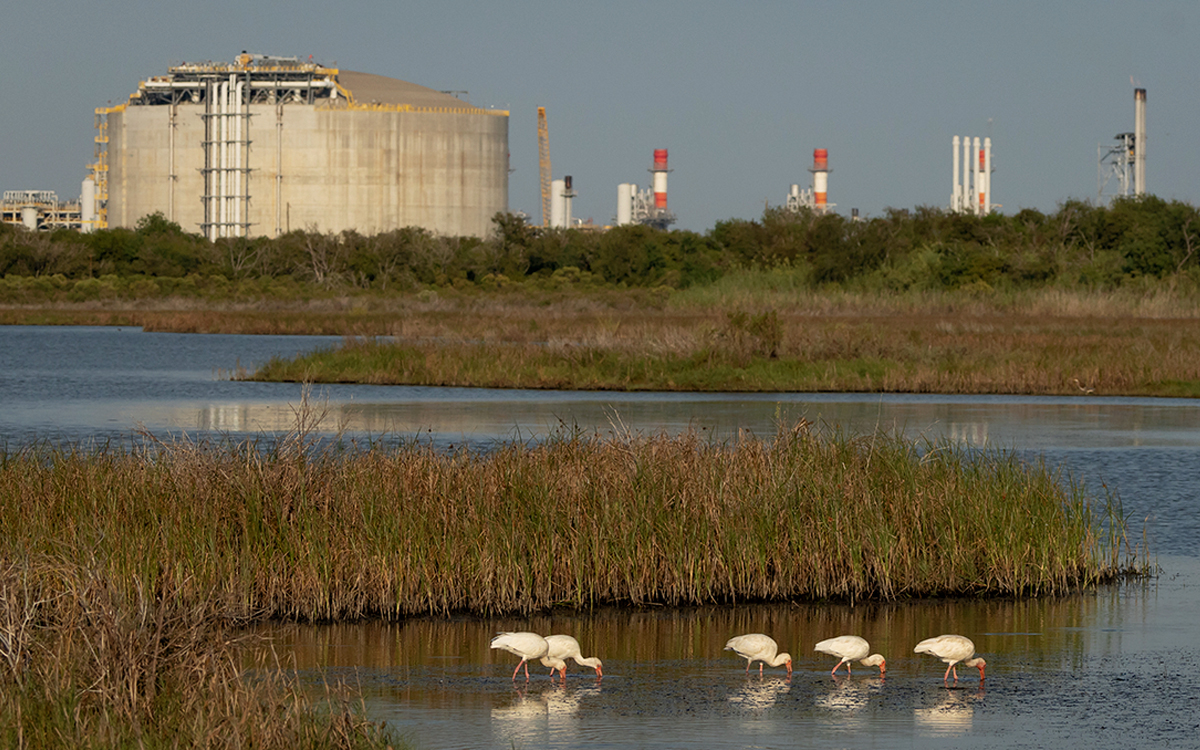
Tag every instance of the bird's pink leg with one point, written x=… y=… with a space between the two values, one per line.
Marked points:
x=946 y=677
x=760 y=668
x=518 y=669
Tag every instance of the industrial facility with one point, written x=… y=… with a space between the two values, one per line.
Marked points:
x=41 y=210
x=648 y=206
x=815 y=198
x=972 y=194
x=267 y=145
x=1126 y=160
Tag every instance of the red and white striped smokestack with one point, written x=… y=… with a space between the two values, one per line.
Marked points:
x=820 y=170
x=660 y=178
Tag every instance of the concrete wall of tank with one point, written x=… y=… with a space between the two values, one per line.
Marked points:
x=371 y=171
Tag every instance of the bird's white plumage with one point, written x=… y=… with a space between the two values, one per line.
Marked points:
x=952 y=649
x=761 y=648
x=525 y=645
x=850 y=648
x=563 y=647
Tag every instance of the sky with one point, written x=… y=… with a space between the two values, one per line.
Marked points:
x=740 y=93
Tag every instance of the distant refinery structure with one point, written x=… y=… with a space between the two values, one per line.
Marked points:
x=266 y=144
x=815 y=198
x=41 y=210
x=1126 y=160
x=648 y=206
x=972 y=192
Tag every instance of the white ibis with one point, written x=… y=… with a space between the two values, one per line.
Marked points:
x=761 y=648
x=563 y=647
x=952 y=649
x=850 y=648
x=525 y=645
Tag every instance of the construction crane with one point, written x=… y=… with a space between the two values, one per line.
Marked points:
x=544 y=164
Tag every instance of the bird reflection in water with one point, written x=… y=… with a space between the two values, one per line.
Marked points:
x=535 y=716
x=848 y=695
x=758 y=693
x=953 y=716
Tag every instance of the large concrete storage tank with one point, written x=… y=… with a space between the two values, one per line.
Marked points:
x=267 y=145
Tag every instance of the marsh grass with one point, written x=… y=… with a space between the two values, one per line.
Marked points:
x=773 y=351
x=243 y=535
x=752 y=331
x=90 y=657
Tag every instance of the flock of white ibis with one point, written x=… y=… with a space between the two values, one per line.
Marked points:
x=554 y=650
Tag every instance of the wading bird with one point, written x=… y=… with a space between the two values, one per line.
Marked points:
x=563 y=647
x=952 y=649
x=758 y=647
x=525 y=645
x=850 y=648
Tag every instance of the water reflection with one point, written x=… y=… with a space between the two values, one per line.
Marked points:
x=953 y=716
x=538 y=716
x=759 y=693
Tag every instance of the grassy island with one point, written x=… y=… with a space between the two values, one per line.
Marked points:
x=746 y=336
x=124 y=572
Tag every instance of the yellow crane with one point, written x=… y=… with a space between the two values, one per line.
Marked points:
x=544 y=164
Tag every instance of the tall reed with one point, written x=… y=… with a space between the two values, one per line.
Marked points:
x=578 y=521
x=89 y=660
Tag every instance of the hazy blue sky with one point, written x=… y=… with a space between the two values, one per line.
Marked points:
x=741 y=93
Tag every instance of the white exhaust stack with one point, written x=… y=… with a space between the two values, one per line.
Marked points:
x=956 y=196
x=987 y=176
x=1139 y=141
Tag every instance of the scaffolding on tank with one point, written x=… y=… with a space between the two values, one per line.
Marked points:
x=226 y=90
x=226 y=158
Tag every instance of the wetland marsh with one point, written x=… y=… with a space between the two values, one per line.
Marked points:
x=1096 y=657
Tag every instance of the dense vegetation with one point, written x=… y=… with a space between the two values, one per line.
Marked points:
x=1080 y=246
x=237 y=534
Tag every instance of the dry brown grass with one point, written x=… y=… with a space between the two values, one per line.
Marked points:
x=1046 y=342
x=241 y=535
x=89 y=660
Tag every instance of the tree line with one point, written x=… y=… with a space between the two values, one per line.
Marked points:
x=1078 y=245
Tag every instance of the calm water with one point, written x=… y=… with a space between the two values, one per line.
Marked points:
x=1113 y=668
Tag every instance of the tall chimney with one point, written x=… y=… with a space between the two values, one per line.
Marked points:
x=660 y=177
x=1139 y=141
x=820 y=170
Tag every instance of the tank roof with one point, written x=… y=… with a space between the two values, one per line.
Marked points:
x=368 y=88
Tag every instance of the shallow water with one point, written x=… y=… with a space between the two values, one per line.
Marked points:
x=1113 y=668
